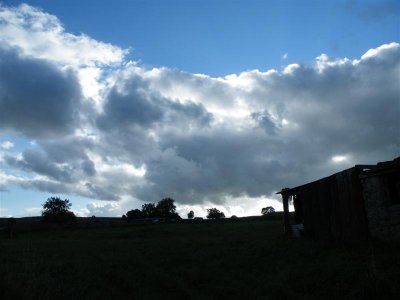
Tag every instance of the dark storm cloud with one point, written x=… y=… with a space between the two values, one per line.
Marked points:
x=88 y=167
x=211 y=166
x=47 y=186
x=109 y=191
x=130 y=108
x=135 y=115
x=37 y=162
x=62 y=160
x=131 y=103
x=68 y=149
x=265 y=121
x=36 y=98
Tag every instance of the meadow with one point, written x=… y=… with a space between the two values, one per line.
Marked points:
x=248 y=259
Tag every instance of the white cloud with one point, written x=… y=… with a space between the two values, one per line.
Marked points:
x=39 y=35
x=33 y=211
x=104 y=209
x=6 y=145
x=375 y=52
x=290 y=69
x=91 y=84
x=240 y=207
x=42 y=35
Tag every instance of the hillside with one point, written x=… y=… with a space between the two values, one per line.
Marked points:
x=206 y=260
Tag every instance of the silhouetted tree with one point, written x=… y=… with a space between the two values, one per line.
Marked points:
x=191 y=214
x=214 y=213
x=267 y=210
x=149 y=210
x=166 y=209
x=57 y=210
x=134 y=214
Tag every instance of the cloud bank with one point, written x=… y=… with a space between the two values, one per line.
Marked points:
x=101 y=127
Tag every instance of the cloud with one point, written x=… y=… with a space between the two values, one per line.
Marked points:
x=37 y=34
x=132 y=103
x=6 y=145
x=37 y=162
x=202 y=167
x=104 y=209
x=42 y=35
x=36 y=211
x=296 y=122
x=145 y=134
x=37 y=99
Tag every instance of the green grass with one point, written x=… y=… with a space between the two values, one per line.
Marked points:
x=243 y=260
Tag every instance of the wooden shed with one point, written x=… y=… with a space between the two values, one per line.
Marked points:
x=350 y=205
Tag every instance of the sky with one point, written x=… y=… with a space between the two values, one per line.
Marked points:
x=213 y=103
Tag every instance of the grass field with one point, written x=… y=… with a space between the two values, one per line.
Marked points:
x=226 y=260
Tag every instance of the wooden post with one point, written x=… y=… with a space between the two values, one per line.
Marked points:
x=285 y=200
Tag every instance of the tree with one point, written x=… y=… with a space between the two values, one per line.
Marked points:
x=57 y=210
x=149 y=210
x=94 y=219
x=191 y=214
x=166 y=209
x=134 y=214
x=214 y=213
x=267 y=210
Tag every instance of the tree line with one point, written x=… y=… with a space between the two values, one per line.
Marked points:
x=57 y=210
x=165 y=208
